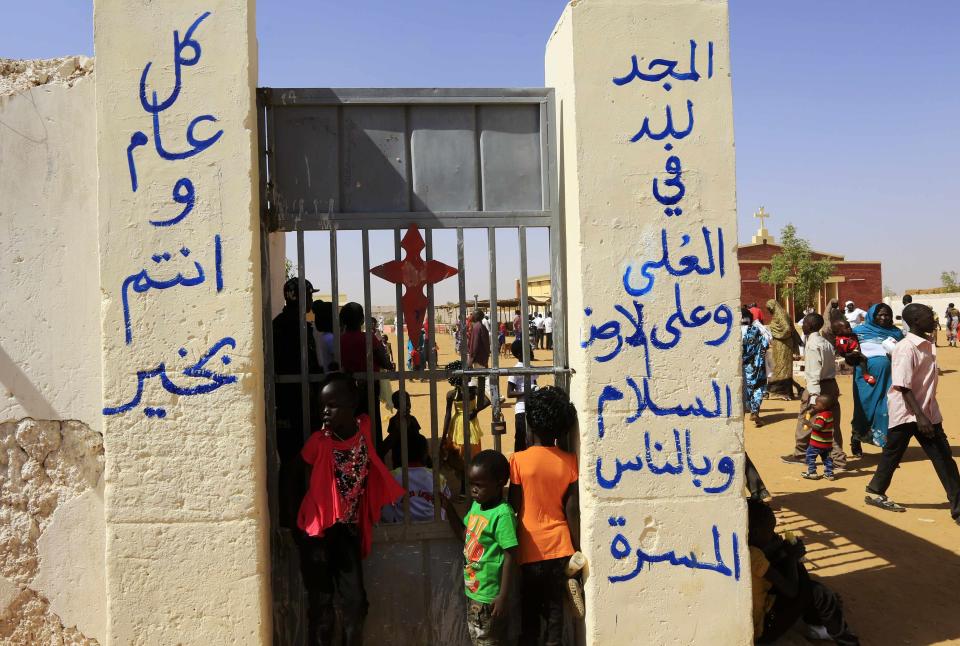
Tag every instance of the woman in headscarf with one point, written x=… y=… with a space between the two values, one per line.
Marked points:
x=877 y=335
x=755 y=344
x=783 y=346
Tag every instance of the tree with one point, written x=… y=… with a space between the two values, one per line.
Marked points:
x=794 y=272
x=888 y=291
x=288 y=268
x=949 y=280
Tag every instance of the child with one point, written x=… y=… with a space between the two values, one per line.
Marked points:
x=543 y=490
x=392 y=443
x=502 y=339
x=515 y=390
x=848 y=347
x=348 y=487
x=420 y=481
x=452 y=442
x=782 y=589
x=490 y=546
x=821 y=438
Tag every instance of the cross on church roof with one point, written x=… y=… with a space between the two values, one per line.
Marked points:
x=763 y=236
x=761 y=215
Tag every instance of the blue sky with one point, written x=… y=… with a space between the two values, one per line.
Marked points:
x=846 y=113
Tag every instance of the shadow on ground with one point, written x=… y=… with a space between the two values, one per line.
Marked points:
x=857 y=558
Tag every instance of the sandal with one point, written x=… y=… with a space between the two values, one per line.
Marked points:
x=807 y=475
x=883 y=503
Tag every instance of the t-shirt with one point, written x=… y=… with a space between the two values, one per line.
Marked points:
x=351 y=467
x=421 y=496
x=544 y=472
x=539 y=322
x=548 y=325
x=821 y=435
x=762 y=599
x=517 y=380
x=393 y=441
x=490 y=532
x=914 y=366
x=353 y=352
x=855 y=317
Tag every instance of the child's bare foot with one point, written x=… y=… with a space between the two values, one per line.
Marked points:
x=870 y=379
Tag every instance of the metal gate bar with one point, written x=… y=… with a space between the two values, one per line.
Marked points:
x=306 y=213
x=494 y=329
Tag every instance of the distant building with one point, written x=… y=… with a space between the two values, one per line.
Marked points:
x=854 y=280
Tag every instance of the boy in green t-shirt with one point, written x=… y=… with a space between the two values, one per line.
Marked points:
x=490 y=544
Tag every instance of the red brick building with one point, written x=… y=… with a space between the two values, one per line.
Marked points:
x=857 y=281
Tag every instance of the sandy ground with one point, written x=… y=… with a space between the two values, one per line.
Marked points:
x=897 y=573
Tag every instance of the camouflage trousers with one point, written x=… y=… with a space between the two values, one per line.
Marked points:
x=484 y=628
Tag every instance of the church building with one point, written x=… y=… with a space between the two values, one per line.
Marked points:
x=859 y=281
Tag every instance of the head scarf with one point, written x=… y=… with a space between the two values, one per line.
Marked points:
x=780 y=323
x=869 y=330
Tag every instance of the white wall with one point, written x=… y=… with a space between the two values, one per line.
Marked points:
x=52 y=574
x=938 y=302
x=641 y=522
x=49 y=276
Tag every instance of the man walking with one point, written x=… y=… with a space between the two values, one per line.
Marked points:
x=820 y=367
x=914 y=412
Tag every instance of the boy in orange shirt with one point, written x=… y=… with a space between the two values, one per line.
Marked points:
x=543 y=490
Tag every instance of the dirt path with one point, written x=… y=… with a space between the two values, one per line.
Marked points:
x=898 y=573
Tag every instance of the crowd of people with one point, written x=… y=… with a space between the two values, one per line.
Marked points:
x=335 y=484
x=894 y=377
x=894 y=384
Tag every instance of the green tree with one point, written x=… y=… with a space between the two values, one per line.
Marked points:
x=888 y=291
x=949 y=280
x=794 y=272
x=288 y=268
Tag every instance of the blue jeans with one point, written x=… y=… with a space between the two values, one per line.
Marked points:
x=812 y=453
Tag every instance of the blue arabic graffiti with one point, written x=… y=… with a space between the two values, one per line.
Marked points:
x=620 y=549
x=198 y=370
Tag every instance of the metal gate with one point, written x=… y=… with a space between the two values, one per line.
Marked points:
x=415 y=160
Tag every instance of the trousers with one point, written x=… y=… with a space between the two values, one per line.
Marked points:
x=824 y=454
x=543 y=585
x=333 y=575
x=802 y=435
x=937 y=449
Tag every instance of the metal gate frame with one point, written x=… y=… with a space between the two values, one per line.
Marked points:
x=277 y=215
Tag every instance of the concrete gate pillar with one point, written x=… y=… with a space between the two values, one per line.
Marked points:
x=647 y=176
x=187 y=550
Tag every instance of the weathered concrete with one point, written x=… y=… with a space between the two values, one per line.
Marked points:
x=50 y=338
x=667 y=547
x=51 y=532
x=187 y=554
